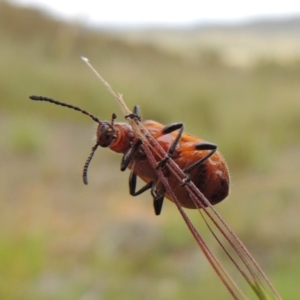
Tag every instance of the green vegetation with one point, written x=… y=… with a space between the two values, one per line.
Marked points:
x=62 y=240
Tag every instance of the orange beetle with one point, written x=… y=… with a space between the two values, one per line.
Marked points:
x=200 y=160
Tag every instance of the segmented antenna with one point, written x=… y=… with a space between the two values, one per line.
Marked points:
x=113 y=117
x=42 y=98
x=87 y=163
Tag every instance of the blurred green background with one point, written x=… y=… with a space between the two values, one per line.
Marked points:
x=236 y=87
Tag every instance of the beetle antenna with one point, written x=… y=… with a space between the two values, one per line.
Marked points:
x=87 y=163
x=113 y=117
x=42 y=98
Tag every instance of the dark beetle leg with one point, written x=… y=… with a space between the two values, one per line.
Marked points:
x=127 y=157
x=157 y=202
x=135 y=114
x=132 y=185
x=166 y=130
x=201 y=146
x=157 y=199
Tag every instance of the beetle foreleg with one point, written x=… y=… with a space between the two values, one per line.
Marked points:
x=127 y=157
x=136 y=114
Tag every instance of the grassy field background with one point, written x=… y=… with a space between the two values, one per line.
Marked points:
x=60 y=239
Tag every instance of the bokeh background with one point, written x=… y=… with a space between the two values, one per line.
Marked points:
x=234 y=85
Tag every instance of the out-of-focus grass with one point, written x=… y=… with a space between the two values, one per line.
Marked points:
x=60 y=239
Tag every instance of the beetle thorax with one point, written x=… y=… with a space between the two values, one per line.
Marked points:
x=124 y=138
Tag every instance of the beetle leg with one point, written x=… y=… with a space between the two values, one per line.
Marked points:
x=166 y=130
x=127 y=157
x=199 y=146
x=157 y=198
x=137 y=111
x=157 y=201
x=135 y=114
x=132 y=185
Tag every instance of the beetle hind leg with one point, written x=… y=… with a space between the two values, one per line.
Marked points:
x=212 y=148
